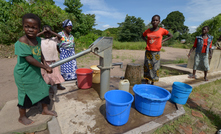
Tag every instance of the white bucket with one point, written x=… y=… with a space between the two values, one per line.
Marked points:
x=124 y=85
x=96 y=74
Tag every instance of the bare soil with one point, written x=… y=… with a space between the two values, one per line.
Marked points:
x=8 y=61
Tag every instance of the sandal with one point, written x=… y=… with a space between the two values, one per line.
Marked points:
x=206 y=79
x=192 y=76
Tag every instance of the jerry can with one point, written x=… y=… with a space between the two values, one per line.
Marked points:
x=124 y=85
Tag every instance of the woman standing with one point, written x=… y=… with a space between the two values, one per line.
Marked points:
x=152 y=55
x=66 y=48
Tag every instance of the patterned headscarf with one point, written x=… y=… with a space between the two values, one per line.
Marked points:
x=67 y=23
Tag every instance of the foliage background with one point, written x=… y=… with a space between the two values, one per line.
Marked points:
x=125 y=36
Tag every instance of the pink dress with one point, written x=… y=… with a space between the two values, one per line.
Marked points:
x=50 y=53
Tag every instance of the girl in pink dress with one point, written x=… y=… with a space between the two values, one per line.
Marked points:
x=50 y=52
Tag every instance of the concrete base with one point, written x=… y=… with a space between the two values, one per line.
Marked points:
x=9 y=119
x=82 y=111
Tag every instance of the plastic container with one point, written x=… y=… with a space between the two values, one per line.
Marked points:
x=124 y=85
x=118 y=105
x=96 y=74
x=150 y=100
x=180 y=92
x=84 y=78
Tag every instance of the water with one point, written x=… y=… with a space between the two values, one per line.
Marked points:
x=149 y=96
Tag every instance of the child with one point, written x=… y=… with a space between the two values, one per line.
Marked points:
x=152 y=55
x=49 y=50
x=31 y=86
x=218 y=43
x=203 y=44
x=67 y=49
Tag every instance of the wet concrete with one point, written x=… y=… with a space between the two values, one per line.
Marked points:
x=136 y=119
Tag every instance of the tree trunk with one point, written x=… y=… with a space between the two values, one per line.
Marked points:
x=133 y=73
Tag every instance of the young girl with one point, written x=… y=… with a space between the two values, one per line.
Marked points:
x=203 y=44
x=152 y=55
x=68 y=69
x=31 y=86
x=49 y=51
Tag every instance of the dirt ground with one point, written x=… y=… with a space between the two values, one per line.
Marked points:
x=8 y=89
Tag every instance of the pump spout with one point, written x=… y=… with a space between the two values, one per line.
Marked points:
x=118 y=64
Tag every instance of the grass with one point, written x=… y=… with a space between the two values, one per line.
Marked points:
x=7 y=51
x=129 y=45
x=179 y=61
x=165 y=72
x=163 y=50
x=210 y=95
x=141 y=45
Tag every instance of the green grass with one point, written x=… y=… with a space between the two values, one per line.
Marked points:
x=165 y=72
x=129 y=45
x=163 y=50
x=211 y=116
x=179 y=61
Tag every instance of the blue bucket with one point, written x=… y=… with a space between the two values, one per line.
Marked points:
x=180 y=92
x=150 y=100
x=118 y=104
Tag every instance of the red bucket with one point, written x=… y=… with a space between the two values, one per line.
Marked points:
x=84 y=78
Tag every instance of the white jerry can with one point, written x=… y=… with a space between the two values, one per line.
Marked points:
x=124 y=85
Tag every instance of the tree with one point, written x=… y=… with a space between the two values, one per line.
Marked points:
x=41 y=1
x=131 y=29
x=97 y=32
x=214 y=25
x=11 y=28
x=111 y=32
x=74 y=7
x=84 y=23
x=16 y=1
x=175 y=22
x=5 y=7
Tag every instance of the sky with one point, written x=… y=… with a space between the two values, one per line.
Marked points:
x=111 y=12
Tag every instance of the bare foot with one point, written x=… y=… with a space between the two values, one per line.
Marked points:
x=47 y=112
x=205 y=78
x=25 y=121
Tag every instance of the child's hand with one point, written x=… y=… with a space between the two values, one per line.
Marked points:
x=44 y=30
x=188 y=55
x=48 y=69
x=47 y=29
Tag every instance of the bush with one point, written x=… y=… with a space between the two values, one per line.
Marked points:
x=83 y=42
x=49 y=14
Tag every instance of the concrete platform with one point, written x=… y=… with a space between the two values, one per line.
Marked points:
x=82 y=111
x=9 y=119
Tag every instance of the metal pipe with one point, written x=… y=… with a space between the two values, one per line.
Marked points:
x=118 y=64
x=60 y=62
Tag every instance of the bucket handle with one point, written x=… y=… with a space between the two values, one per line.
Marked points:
x=120 y=112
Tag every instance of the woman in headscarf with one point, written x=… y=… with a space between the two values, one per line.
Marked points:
x=66 y=47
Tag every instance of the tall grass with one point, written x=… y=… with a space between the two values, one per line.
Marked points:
x=129 y=45
x=141 y=45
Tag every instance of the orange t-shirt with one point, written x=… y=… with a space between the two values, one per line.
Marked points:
x=154 y=39
x=204 y=45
